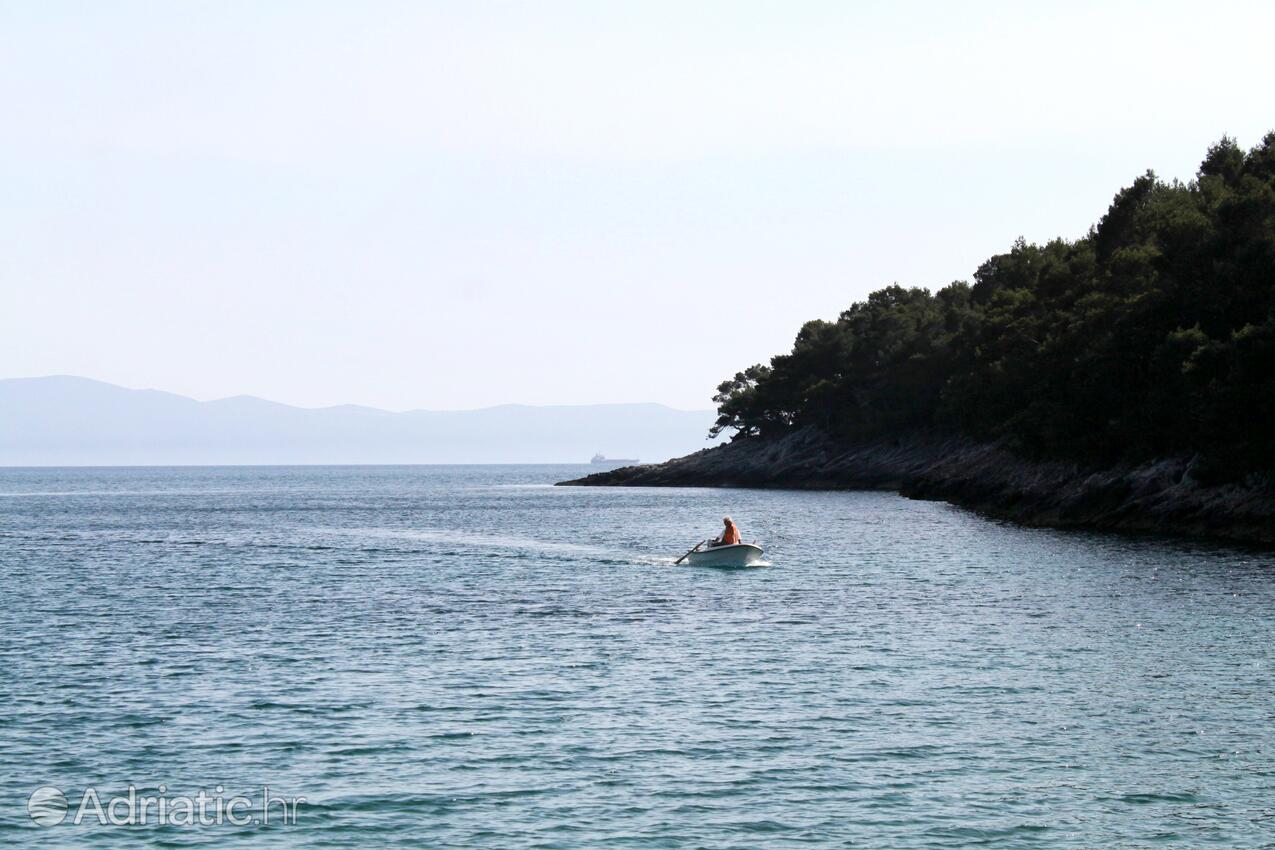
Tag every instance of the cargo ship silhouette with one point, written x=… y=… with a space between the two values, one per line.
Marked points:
x=613 y=461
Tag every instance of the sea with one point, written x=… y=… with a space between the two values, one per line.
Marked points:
x=470 y=657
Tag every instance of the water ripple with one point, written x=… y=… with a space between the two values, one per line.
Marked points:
x=461 y=658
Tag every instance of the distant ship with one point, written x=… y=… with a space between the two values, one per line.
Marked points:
x=614 y=461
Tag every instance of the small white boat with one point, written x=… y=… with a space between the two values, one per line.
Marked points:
x=734 y=555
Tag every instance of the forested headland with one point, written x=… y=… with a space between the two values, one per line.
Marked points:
x=1152 y=335
x=1123 y=380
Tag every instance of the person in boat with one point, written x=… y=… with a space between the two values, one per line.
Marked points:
x=730 y=535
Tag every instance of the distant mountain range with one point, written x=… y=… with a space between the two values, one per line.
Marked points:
x=64 y=420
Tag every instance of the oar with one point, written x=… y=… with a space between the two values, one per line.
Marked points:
x=683 y=558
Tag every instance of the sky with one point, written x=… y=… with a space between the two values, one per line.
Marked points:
x=454 y=205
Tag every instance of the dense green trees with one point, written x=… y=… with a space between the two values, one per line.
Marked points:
x=1152 y=335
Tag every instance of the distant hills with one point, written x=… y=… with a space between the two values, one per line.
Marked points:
x=64 y=420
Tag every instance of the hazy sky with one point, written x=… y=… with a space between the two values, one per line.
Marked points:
x=451 y=205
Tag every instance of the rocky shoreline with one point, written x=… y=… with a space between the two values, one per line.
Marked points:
x=1164 y=496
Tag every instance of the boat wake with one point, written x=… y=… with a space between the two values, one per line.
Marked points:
x=510 y=543
x=463 y=538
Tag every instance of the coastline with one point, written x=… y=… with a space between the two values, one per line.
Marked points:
x=1162 y=496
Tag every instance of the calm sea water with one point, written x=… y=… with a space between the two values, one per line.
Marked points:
x=465 y=657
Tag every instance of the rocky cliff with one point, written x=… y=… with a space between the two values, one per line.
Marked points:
x=1166 y=496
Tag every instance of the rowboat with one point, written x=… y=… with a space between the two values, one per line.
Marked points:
x=733 y=555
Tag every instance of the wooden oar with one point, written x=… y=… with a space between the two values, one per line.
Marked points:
x=683 y=558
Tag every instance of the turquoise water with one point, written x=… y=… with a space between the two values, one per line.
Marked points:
x=464 y=657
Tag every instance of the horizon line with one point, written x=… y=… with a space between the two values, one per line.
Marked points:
x=273 y=465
